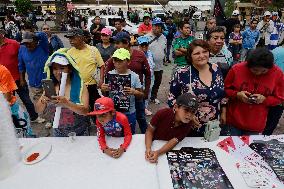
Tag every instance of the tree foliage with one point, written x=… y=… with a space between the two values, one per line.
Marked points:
x=23 y=6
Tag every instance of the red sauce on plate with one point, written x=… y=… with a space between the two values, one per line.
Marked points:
x=32 y=157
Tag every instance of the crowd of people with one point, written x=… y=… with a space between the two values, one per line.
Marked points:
x=231 y=74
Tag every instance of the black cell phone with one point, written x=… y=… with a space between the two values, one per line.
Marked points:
x=252 y=99
x=48 y=87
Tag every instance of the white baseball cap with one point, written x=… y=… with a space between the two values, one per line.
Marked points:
x=59 y=60
x=267 y=13
x=236 y=13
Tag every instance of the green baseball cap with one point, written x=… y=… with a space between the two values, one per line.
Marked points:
x=121 y=54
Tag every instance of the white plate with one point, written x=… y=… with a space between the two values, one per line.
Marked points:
x=42 y=148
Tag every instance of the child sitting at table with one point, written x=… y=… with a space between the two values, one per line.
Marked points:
x=111 y=123
x=172 y=125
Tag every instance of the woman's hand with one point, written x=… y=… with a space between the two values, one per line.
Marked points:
x=259 y=98
x=243 y=96
x=44 y=99
x=60 y=101
x=105 y=87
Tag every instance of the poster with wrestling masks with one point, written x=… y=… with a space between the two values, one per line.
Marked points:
x=117 y=82
x=196 y=168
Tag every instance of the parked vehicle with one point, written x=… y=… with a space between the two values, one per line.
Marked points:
x=109 y=20
x=159 y=13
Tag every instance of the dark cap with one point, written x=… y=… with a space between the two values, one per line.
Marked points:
x=121 y=36
x=188 y=100
x=28 y=37
x=74 y=32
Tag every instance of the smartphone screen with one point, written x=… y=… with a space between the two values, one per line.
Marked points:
x=48 y=87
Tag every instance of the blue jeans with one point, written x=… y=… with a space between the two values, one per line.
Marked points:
x=24 y=95
x=140 y=115
x=132 y=121
x=169 y=46
x=228 y=130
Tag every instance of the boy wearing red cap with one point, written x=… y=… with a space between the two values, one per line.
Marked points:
x=111 y=123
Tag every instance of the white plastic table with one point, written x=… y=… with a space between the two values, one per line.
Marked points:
x=81 y=164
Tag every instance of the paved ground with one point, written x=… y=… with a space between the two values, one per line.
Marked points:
x=162 y=95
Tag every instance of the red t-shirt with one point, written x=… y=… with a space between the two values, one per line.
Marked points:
x=9 y=57
x=118 y=127
x=163 y=122
x=144 y=28
x=252 y=117
x=138 y=64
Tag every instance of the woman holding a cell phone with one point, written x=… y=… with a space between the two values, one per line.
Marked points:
x=74 y=103
x=252 y=87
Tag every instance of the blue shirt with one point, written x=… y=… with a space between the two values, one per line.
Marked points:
x=250 y=38
x=33 y=61
x=135 y=83
x=278 y=54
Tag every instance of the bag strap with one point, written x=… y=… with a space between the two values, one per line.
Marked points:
x=155 y=38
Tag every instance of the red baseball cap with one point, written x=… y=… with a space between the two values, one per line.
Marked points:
x=102 y=105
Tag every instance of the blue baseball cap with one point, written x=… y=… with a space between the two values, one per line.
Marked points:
x=143 y=39
x=157 y=21
x=121 y=35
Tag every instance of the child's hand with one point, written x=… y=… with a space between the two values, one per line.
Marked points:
x=109 y=151
x=196 y=123
x=148 y=154
x=129 y=91
x=105 y=87
x=117 y=153
x=154 y=155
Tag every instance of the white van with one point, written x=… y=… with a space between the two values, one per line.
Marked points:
x=109 y=20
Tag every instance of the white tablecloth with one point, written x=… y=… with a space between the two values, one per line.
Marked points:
x=82 y=165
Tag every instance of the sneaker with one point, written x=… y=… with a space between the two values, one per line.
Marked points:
x=148 y=112
x=38 y=120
